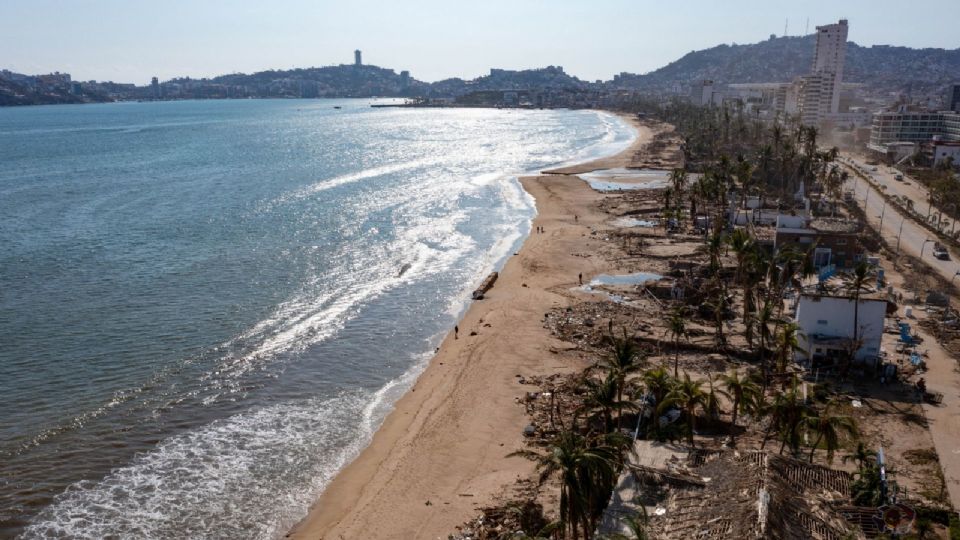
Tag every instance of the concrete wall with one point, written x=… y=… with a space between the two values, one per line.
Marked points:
x=833 y=316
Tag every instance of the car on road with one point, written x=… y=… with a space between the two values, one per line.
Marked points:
x=940 y=252
x=898 y=177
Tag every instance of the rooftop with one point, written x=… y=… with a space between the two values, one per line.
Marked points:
x=835 y=225
x=753 y=494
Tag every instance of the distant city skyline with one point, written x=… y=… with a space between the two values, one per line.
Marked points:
x=132 y=42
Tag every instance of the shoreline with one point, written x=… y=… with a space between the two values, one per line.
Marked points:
x=441 y=452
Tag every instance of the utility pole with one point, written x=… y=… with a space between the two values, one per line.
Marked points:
x=902 y=219
x=881 y=217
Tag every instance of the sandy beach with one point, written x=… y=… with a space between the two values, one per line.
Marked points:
x=441 y=453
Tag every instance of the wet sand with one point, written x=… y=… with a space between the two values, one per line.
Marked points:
x=441 y=453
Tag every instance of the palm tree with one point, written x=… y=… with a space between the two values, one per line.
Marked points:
x=860 y=455
x=810 y=141
x=741 y=243
x=687 y=395
x=718 y=303
x=787 y=416
x=601 y=398
x=579 y=463
x=714 y=247
x=678 y=183
x=658 y=383
x=764 y=317
x=711 y=404
x=622 y=361
x=744 y=174
x=867 y=487
x=758 y=267
x=830 y=428
x=677 y=328
x=743 y=391
x=862 y=273
x=786 y=345
x=776 y=134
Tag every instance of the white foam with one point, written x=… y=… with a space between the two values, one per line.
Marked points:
x=273 y=462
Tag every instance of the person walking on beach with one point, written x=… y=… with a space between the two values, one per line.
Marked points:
x=456 y=332
x=580 y=277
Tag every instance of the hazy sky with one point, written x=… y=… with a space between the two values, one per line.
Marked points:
x=132 y=40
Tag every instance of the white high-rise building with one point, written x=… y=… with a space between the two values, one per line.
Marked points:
x=829 y=57
x=818 y=95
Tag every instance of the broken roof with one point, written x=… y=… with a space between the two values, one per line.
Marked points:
x=756 y=495
x=835 y=225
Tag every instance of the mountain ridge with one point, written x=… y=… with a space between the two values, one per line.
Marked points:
x=780 y=59
x=882 y=68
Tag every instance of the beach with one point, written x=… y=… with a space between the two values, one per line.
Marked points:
x=442 y=452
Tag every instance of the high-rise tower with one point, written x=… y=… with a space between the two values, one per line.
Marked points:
x=818 y=94
x=829 y=57
x=356 y=58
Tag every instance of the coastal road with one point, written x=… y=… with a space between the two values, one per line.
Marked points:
x=913 y=238
x=942 y=375
x=886 y=176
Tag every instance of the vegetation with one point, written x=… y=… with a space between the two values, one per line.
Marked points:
x=737 y=159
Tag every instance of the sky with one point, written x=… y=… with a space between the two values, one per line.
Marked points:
x=133 y=40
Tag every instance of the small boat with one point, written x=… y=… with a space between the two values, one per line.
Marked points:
x=337 y=107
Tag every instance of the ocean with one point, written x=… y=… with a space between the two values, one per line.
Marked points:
x=208 y=307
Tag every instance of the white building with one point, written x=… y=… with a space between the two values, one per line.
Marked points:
x=912 y=126
x=942 y=150
x=826 y=327
x=829 y=58
x=815 y=97
x=704 y=93
x=818 y=94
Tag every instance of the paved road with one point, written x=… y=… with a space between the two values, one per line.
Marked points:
x=885 y=176
x=942 y=375
x=913 y=237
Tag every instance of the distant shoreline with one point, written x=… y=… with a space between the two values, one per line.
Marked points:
x=276 y=98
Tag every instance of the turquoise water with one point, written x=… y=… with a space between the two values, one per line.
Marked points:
x=202 y=309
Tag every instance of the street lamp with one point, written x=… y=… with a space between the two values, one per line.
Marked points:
x=883 y=211
x=924 y=246
x=902 y=219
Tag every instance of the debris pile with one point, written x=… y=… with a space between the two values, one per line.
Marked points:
x=755 y=495
x=588 y=324
x=551 y=407
x=519 y=517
